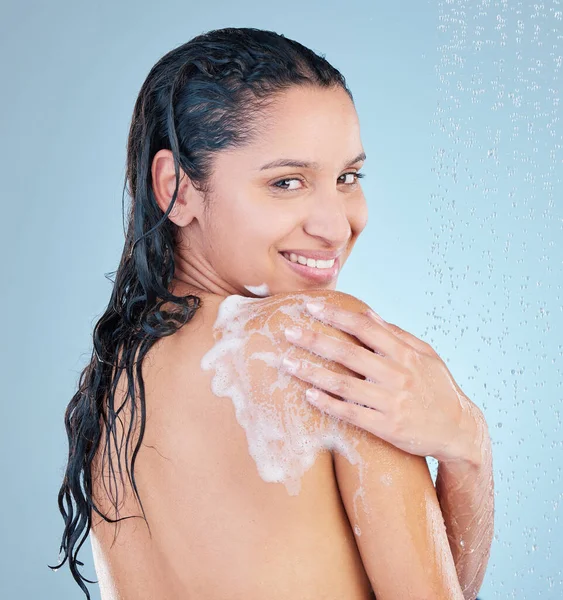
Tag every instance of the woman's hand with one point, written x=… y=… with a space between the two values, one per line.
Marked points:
x=408 y=396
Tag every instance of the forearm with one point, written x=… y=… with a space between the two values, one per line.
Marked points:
x=465 y=489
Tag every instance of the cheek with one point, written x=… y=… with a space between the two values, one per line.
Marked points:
x=246 y=234
x=261 y=226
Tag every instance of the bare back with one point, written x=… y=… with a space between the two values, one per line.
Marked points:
x=219 y=531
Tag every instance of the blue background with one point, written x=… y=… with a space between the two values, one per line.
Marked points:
x=460 y=110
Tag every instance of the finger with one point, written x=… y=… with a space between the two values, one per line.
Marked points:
x=350 y=388
x=410 y=339
x=365 y=418
x=365 y=328
x=354 y=357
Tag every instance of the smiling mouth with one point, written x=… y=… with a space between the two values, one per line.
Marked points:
x=316 y=274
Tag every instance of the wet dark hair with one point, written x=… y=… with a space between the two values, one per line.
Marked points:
x=198 y=99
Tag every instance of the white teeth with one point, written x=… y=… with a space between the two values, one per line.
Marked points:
x=310 y=262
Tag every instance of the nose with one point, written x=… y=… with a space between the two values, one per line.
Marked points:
x=328 y=219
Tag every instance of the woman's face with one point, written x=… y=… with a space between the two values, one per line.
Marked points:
x=258 y=215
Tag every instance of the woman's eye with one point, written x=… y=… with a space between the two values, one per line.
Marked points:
x=356 y=175
x=278 y=186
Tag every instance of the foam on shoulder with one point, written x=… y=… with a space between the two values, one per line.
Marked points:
x=284 y=432
x=259 y=290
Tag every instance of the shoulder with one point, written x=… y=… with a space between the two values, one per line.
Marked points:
x=266 y=320
x=246 y=361
x=251 y=325
x=299 y=299
x=274 y=313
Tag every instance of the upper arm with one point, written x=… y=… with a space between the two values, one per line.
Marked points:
x=388 y=494
x=401 y=533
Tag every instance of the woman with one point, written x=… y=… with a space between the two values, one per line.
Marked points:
x=266 y=495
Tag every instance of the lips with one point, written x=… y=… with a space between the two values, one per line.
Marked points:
x=312 y=273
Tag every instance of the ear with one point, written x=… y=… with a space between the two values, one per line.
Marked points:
x=188 y=204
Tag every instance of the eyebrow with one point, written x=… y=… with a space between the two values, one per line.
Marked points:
x=303 y=164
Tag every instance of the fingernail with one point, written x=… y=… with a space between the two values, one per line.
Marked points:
x=290 y=364
x=292 y=333
x=312 y=394
x=315 y=308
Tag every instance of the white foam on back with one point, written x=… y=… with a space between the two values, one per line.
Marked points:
x=276 y=418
